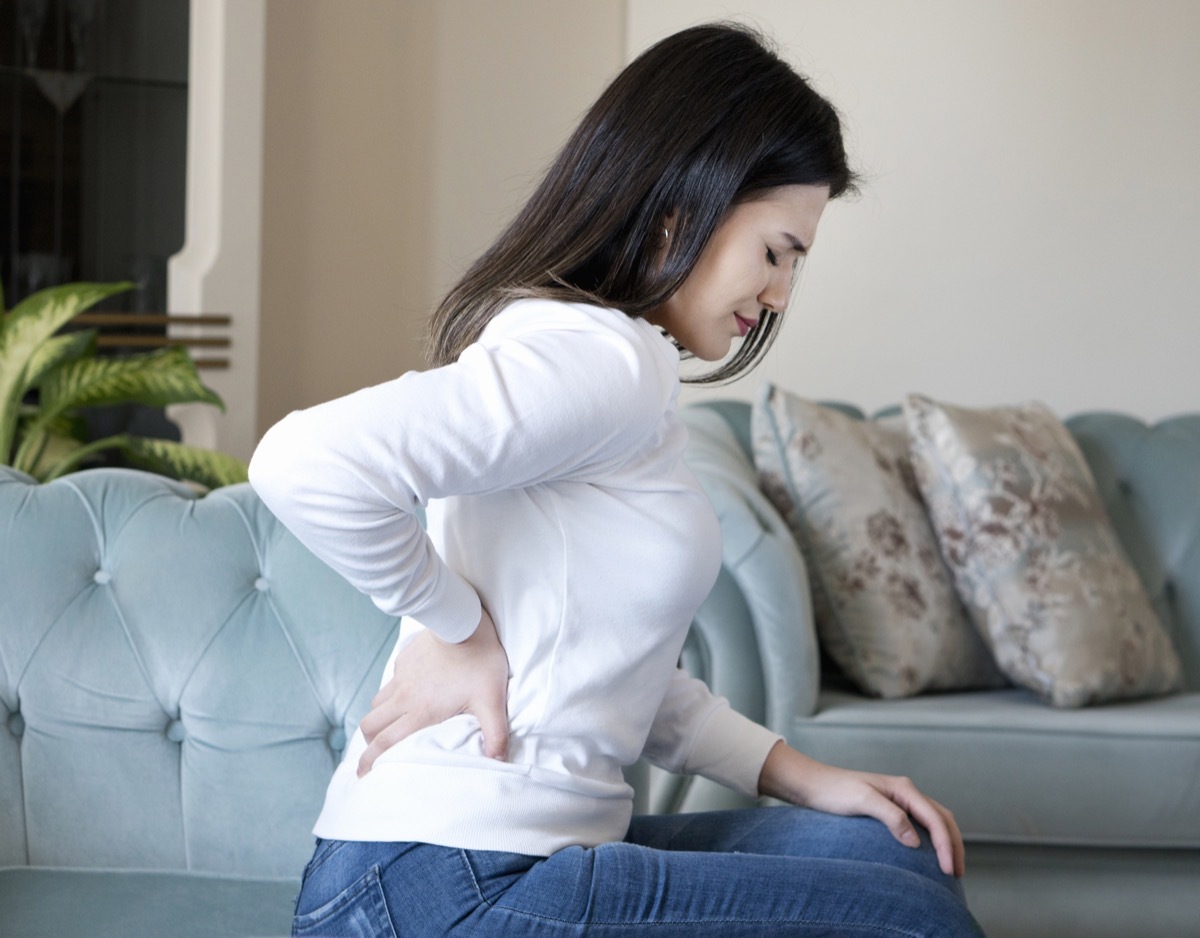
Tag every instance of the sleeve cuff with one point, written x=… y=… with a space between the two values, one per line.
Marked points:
x=731 y=749
x=455 y=615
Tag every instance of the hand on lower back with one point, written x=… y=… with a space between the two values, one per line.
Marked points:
x=432 y=681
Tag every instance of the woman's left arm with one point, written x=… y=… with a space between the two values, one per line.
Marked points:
x=791 y=776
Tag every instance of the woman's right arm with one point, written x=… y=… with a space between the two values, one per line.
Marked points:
x=535 y=402
x=330 y=476
x=539 y=400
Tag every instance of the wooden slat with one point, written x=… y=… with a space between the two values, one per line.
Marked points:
x=110 y=340
x=129 y=330
x=152 y=319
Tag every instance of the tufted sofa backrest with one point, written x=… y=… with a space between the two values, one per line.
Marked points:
x=178 y=676
x=1149 y=478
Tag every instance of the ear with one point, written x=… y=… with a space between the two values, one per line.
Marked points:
x=668 y=225
x=661 y=238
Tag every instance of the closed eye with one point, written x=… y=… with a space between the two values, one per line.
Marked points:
x=771 y=258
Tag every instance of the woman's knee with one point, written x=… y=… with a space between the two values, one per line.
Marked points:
x=787 y=831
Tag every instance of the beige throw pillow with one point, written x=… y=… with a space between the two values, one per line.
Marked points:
x=1035 y=557
x=886 y=609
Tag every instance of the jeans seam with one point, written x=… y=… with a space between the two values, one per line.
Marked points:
x=474 y=880
x=822 y=923
x=317 y=862
x=352 y=893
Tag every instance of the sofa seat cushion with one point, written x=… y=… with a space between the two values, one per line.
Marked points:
x=40 y=902
x=1014 y=770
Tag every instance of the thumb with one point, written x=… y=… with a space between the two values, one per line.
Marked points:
x=493 y=721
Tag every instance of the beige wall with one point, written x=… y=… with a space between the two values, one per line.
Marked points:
x=348 y=119
x=399 y=137
x=1030 y=226
x=513 y=79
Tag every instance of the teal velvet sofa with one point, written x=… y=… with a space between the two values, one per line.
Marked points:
x=178 y=677
x=1078 y=822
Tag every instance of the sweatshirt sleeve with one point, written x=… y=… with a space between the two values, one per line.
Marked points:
x=545 y=394
x=697 y=733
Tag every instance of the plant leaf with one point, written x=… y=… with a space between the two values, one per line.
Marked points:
x=57 y=350
x=71 y=425
x=42 y=443
x=190 y=463
x=166 y=376
x=23 y=331
x=37 y=317
x=55 y=448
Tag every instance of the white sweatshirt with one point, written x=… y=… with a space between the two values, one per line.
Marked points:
x=549 y=461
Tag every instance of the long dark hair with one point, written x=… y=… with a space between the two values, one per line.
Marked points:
x=701 y=120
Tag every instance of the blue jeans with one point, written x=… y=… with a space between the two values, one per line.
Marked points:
x=763 y=871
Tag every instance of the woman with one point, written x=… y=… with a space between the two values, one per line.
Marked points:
x=568 y=548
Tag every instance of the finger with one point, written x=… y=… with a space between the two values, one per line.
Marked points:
x=384 y=693
x=384 y=740
x=367 y=761
x=947 y=840
x=937 y=819
x=884 y=809
x=383 y=714
x=958 y=848
x=943 y=845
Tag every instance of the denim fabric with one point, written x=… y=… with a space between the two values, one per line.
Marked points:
x=766 y=871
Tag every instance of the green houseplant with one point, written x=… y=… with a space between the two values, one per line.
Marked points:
x=47 y=439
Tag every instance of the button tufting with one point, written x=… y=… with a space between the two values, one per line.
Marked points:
x=337 y=738
x=262 y=584
x=16 y=723
x=1124 y=488
x=175 y=731
x=1169 y=591
x=102 y=577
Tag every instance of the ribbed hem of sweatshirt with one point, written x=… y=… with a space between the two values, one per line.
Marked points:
x=738 y=748
x=508 y=810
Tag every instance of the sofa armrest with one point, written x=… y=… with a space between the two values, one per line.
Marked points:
x=753 y=639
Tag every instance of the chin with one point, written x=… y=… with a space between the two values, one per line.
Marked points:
x=713 y=353
x=712 y=350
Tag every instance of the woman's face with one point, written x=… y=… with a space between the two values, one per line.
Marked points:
x=748 y=265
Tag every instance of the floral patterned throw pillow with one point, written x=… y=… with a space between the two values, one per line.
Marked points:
x=886 y=610
x=1034 y=555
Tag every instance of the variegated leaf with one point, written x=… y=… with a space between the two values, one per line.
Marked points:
x=207 y=467
x=25 y=328
x=54 y=449
x=42 y=443
x=167 y=376
x=71 y=425
x=55 y=351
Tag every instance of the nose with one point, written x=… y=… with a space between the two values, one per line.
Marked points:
x=775 y=294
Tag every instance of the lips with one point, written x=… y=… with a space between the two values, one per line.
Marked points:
x=744 y=325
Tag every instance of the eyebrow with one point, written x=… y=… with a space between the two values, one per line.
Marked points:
x=796 y=243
